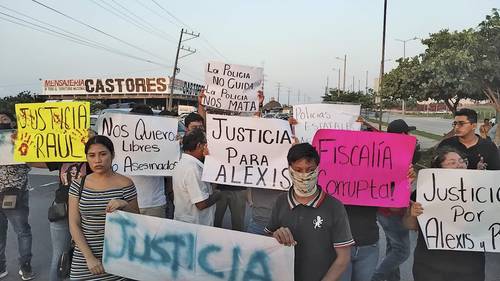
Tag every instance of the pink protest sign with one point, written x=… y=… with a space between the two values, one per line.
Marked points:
x=365 y=168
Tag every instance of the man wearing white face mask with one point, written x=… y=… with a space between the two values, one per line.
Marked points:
x=311 y=221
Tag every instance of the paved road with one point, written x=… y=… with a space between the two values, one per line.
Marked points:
x=41 y=197
x=438 y=126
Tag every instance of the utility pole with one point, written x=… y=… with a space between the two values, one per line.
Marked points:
x=176 y=70
x=382 y=68
x=278 y=84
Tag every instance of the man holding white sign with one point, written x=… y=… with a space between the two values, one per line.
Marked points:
x=232 y=87
x=150 y=189
x=315 y=223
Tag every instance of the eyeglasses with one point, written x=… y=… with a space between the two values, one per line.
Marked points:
x=459 y=123
x=453 y=163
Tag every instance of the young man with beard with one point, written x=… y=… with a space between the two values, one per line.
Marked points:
x=315 y=223
x=481 y=154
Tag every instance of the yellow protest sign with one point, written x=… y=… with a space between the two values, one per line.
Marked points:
x=54 y=131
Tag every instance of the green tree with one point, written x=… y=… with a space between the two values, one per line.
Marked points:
x=488 y=61
x=402 y=82
x=9 y=103
x=338 y=96
x=447 y=69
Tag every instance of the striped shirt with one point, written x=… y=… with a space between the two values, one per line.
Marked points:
x=92 y=208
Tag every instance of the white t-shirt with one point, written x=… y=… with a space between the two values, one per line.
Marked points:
x=189 y=190
x=150 y=191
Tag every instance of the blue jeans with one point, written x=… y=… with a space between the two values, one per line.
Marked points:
x=18 y=218
x=364 y=260
x=397 y=250
x=256 y=228
x=61 y=242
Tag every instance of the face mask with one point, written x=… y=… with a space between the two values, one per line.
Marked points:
x=304 y=184
x=5 y=126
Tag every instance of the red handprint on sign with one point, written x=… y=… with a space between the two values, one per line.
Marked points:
x=81 y=134
x=25 y=144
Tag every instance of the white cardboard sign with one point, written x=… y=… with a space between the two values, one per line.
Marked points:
x=144 y=145
x=7 y=148
x=248 y=151
x=312 y=117
x=232 y=87
x=461 y=209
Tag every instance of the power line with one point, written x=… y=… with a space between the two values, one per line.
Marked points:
x=143 y=21
x=96 y=29
x=172 y=15
x=155 y=12
x=183 y=24
x=86 y=42
x=215 y=49
x=127 y=18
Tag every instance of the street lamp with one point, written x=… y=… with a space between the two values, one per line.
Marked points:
x=404 y=44
x=345 y=64
x=403 y=105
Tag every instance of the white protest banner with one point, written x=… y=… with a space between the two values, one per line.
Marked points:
x=312 y=117
x=461 y=209
x=248 y=151
x=7 y=148
x=232 y=87
x=148 y=248
x=144 y=145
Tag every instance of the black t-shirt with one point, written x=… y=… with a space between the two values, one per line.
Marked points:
x=67 y=173
x=447 y=260
x=363 y=222
x=318 y=227
x=222 y=187
x=483 y=148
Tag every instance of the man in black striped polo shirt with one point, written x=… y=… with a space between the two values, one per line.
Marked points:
x=315 y=223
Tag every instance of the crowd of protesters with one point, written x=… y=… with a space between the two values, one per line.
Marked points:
x=346 y=248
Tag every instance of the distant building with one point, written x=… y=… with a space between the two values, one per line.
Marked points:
x=151 y=90
x=272 y=106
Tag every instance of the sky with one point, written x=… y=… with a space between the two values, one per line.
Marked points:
x=296 y=42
